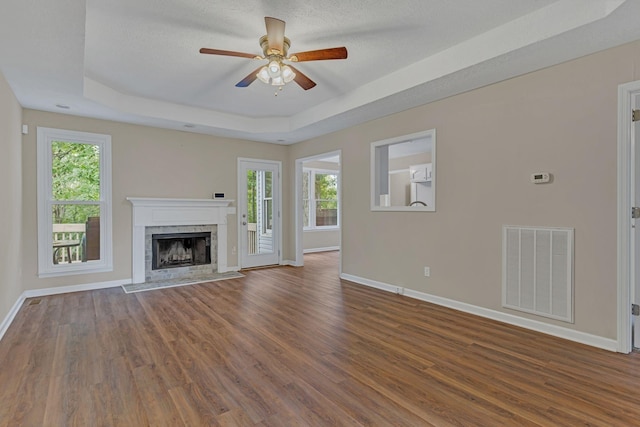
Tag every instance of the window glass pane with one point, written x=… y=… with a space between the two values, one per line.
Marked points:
x=76 y=233
x=268 y=179
x=305 y=199
x=326 y=213
x=305 y=184
x=252 y=196
x=326 y=186
x=326 y=199
x=259 y=212
x=267 y=217
x=306 y=220
x=75 y=171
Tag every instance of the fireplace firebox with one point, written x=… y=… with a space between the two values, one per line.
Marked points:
x=180 y=250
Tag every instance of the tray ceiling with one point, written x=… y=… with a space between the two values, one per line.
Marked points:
x=138 y=62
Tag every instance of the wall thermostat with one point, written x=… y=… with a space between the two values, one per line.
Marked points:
x=540 y=177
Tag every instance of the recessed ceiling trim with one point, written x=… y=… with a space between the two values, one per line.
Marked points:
x=537 y=26
x=123 y=102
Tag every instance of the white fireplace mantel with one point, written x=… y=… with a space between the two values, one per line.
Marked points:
x=149 y=212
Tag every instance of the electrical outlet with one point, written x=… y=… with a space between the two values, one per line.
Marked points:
x=427 y=272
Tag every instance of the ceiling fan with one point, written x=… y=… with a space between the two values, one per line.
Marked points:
x=275 y=47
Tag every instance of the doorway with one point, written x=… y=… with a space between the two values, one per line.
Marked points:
x=318 y=205
x=628 y=226
x=259 y=207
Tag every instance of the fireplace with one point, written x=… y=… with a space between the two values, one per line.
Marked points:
x=173 y=250
x=180 y=251
x=163 y=216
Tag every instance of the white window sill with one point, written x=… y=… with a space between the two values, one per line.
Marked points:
x=330 y=228
x=66 y=270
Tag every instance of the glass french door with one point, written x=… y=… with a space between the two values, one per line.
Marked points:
x=258 y=206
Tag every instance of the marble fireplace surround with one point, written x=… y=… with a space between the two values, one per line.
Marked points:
x=148 y=212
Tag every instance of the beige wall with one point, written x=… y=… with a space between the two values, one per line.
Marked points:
x=11 y=196
x=147 y=162
x=561 y=120
x=321 y=239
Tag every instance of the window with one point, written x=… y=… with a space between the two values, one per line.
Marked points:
x=266 y=190
x=260 y=199
x=74 y=202
x=320 y=198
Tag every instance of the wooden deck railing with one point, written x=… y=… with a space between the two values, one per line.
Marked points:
x=68 y=232
x=252 y=238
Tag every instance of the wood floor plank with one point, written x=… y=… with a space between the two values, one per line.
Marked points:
x=121 y=394
x=296 y=347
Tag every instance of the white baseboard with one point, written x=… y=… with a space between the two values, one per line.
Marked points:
x=534 y=325
x=371 y=283
x=290 y=262
x=327 y=249
x=11 y=315
x=75 y=288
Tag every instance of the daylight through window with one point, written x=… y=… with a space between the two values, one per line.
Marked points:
x=320 y=198
x=74 y=209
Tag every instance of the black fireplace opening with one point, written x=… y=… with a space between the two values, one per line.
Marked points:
x=180 y=250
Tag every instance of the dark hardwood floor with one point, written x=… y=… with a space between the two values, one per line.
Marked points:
x=296 y=346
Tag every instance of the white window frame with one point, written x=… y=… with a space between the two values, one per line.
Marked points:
x=46 y=267
x=312 y=199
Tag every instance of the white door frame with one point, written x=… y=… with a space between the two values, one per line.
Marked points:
x=299 y=223
x=277 y=216
x=627 y=94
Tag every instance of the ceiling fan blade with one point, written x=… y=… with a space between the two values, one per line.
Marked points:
x=305 y=82
x=229 y=53
x=275 y=33
x=318 y=55
x=249 y=79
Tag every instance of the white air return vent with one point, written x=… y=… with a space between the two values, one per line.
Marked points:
x=537 y=271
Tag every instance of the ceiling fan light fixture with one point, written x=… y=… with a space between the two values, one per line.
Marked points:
x=263 y=75
x=277 y=81
x=287 y=74
x=274 y=69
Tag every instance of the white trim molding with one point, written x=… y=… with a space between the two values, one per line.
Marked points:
x=34 y=293
x=259 y=259
x=534 y=325
x=626 y=190
x=298 y=208
x=327 y=249
x=6 y=322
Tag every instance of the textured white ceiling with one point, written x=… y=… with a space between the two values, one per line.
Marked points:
x=138 y=61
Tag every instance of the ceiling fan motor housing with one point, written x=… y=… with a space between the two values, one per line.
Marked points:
x=268 y=53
